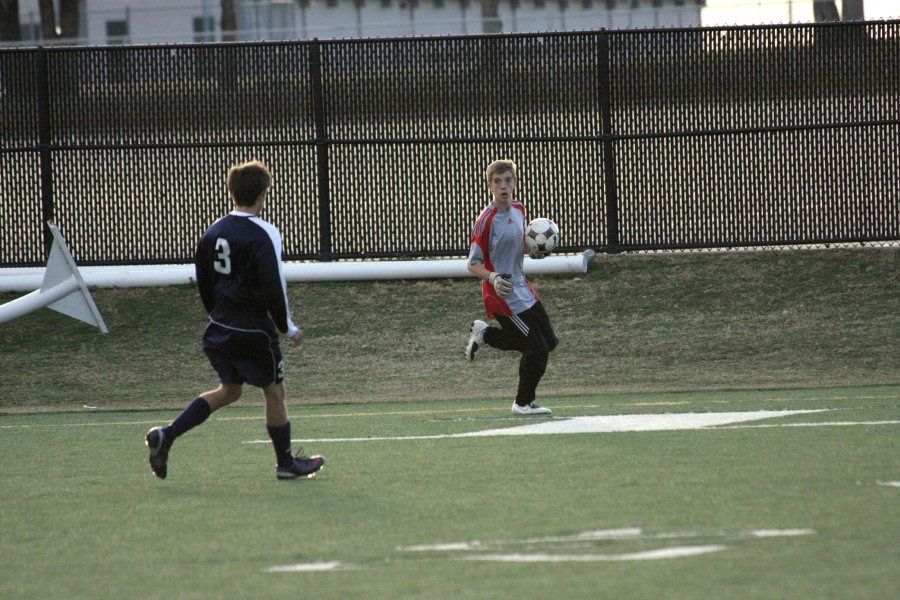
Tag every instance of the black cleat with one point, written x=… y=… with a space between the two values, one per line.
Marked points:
x=159 y=451
x=303 y=466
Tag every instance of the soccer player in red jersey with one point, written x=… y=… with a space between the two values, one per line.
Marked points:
x=497 y=256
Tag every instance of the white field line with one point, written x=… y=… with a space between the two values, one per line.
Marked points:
x=307 y=567
x=600 y=534
x=658 y=554
x=625 y=533
x=550 y=542
x=822 y=424
x=486 y=551
x=895 y=484
x=592 y=424
x=430 y=412
x=768 y=533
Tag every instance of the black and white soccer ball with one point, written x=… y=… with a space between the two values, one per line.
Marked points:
x=541 y=235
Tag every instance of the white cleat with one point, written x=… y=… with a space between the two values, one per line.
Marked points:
x=530 y=409
x=476 y=339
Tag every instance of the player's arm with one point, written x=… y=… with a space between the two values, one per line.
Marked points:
x=476 y=267
x=205 y=280
x=274 y=287
x=479 y=270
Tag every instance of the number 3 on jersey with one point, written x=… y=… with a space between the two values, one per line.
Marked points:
x=222 y=264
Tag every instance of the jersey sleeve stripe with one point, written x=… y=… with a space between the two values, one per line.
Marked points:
x=482 y=221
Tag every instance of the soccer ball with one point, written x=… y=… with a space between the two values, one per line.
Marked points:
x=541 y=235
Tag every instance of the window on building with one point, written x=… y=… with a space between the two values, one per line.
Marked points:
x=204 y=29
x=30 y=31
x=282 y=20
x=117 y=32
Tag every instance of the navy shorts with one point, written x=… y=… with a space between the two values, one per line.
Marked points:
x=244 y=356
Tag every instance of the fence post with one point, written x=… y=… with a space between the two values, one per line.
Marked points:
x=46 y=163
x=315 y=63
x=609 y=163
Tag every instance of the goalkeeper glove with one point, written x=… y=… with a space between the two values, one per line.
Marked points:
x=502 y=286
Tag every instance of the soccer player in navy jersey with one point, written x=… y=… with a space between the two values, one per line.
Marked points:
x=241 y=281
x=497 y=256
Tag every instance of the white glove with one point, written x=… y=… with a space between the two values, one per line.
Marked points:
x=538 y=254
x=502 y=286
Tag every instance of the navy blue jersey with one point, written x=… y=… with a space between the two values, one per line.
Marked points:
x=240 y=274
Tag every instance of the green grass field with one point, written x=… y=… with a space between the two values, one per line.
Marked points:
x=632 y=323
x=797 y=506
x=652 y=501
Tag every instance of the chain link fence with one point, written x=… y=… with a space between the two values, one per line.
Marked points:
x=630 y=140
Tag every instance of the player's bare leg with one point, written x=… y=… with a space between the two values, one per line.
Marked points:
x=225 y=394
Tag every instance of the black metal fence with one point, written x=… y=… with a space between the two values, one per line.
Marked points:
x=630 y=140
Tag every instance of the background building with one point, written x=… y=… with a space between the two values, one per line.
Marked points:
x=161 y=21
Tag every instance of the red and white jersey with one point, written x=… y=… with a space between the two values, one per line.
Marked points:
x=498 y=242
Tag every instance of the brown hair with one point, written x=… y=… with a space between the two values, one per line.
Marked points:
x=501 y=166
x=247 y=181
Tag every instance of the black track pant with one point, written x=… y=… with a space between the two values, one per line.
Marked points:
x=530 y=333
